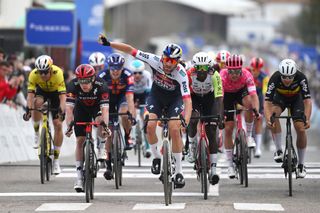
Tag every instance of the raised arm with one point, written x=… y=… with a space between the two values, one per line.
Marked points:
x=126 y=48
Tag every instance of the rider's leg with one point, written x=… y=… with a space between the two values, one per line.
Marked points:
x=211 y=131
x=301 y=146
x=36 y=117
x=247 y=103
x=79 y=164
x=57 y=142
x=192 y=136
x=258 y=137
x=126 y=125
x=277 y=135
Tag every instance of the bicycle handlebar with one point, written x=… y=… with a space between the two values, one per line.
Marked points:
x=164 y=119
x=273 y=117
x=254 y=110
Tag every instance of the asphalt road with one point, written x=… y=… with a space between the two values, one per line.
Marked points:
x=21 y=190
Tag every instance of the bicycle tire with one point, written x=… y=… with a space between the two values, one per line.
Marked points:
x=238 y=159
x=138 y=143
x=289 y=162
x=49 y=160
x=166 y=173
x=121 y=157
x=116 y=159
x=204 y=169
x=87 y=178
x=92 y=170
x=244 y=158
x=42 y=154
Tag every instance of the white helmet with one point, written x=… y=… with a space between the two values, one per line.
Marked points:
x=43 y=62
x=288 y=67
x=201 y=58
x=137 y=66
x=97 y=59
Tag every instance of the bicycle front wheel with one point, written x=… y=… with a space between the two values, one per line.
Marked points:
x=116 y=159
x=88 y=176
x=244 y=157
x=167 y=183
x=42 y=154
x=138 y=142
x=289 y=163
x=204 y=169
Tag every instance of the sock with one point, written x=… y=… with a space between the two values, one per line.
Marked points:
x=258 y=141
x=301 y=153
x=277 y=140
x=213 y=160
x=108 y=162
x=155 y=151
x=229 y=155
x=79 y=165
x=56 y=152
x=249 y=129
x=36 y=125
x=178 y=165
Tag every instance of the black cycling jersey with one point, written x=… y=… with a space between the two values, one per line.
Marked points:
x=298 y=86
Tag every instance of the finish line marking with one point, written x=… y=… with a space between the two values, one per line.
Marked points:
x=63 y=207
x=156 y=206
x=258 y=207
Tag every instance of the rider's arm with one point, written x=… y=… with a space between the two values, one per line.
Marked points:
x=61 y=89
x=252 y=91
x=129 y=93
x=218 y=92
x=126 y=48
x=31 y=89
x=182 y=78
x=306 y=98
x=104 y=102
x=70 y=102
x=269 y=96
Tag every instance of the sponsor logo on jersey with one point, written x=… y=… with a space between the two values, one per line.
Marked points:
x=144 y=55
x=130 y=80
x=156 y=58
x=182 y=73
x=184 y=86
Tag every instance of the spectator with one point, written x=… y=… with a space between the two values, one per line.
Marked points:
x=2 y=54
x=8 y=89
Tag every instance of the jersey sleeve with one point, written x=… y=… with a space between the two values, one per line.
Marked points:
x=217 y=85
x=129 y=82
x=104 y=95
x=149 y=58
x=183 y=80
x=271 y=88
x=305 y=88
x=32 y=81
x=60 y=82
x=71 y=93
x=250 y=84
x=149 y=80
x=265 y=81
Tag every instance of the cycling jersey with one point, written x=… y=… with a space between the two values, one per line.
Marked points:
x=55 y=83
x=173 y=84
x=212 y=83
x=298 y=86
x=245 y=80
x=98 y=96
x=145 y=83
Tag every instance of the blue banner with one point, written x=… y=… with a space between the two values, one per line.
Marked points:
x=89 y=47
x=49 y=28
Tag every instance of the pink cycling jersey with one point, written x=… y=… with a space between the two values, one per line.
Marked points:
x=245 y=80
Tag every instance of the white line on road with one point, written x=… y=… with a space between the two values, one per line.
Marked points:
x=100 y=194
x=258 y=207
x=154 y=206
x=63 y=207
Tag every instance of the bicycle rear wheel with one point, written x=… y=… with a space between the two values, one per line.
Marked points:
x=49 y=160
x=116 y=158
x=122 y=157
x=138 y=142
x=88 y=176
x=42 y=154
x=204 y=169
x=167 y=183
x=237 y=161
x=244 y=157
x=289 y=163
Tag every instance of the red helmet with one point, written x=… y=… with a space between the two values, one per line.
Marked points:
x=222 y=56
x=256 y=63
x=84 y=71
x=234 y=62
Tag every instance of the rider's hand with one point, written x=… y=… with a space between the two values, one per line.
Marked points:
x=221 y=125
x=27 y=114
x=61 y=114
x=269 y=124
x=103 y=40
x=307 y=124
x=70 y=129
x=106 y=132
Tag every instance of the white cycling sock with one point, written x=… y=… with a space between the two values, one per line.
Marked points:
x=155 y=151
x=213 y=159
x=229 y=155
x=258 y=141
x=79 y=166
x=301 y=153
x=178 y=164
x=249 y=129
x=277 y=140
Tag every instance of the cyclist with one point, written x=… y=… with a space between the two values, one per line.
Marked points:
x=221 y=59
x=142 y=87
x=46 y=82
x=97 y=60
x=261 y=81
x=239 y=88
x=87 y=99
x=206 y=90
x=120 y=85
x=289 y=87
x=169 y=89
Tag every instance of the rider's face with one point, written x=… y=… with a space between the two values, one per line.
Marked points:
x=45 y=74
x=137 y=76
x=115 y=74
x=86 y=87
x=287 y=80
x=234 y=74
x=169 y=63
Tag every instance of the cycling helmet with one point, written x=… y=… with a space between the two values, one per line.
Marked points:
x=256 y=63
x=84 y=71
x=173 y=51
x=201 y=58
x=288 y=67
x=97 y=59
x=137 y=66
x=115 y=61
x=234 y=62
x=43 y=62
x=222 y=56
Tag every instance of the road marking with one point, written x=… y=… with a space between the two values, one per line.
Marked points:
x=100 y=194
x=63 y=207
x=214 y=190
x=153 y=206
x=258 y=207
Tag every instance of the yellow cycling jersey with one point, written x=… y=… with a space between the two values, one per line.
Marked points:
x=54 y=84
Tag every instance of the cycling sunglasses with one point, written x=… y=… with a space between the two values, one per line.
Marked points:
x=136 y=73
x=234 y=71
x=173 y=61
x=43 y=72
x=84 y=80
x=284 y=77
x=202 y=67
